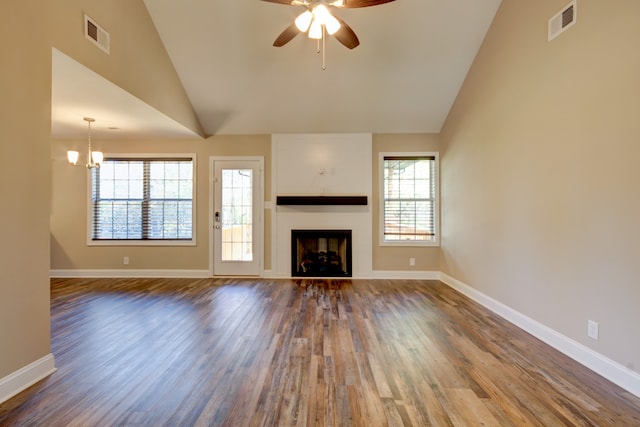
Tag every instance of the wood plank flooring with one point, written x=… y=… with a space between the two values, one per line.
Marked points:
x=240 y=352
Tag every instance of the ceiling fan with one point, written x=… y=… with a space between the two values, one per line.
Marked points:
x=317 y=19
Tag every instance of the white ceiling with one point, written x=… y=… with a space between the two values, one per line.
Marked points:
x=404 y=76
x=78 y=92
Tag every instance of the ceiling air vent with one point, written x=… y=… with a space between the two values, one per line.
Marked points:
x=562 y=20
x=96 y=34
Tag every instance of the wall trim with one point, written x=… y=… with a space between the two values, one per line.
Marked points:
x=609 y=369
x=376 y=274
x=201 y=274
x=66 y=274
x=404 y=274
x=26 y=376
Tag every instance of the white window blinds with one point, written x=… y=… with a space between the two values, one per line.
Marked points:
x=410 y=198
x=142 y=199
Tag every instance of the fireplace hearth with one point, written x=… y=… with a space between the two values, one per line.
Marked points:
x=321 y=253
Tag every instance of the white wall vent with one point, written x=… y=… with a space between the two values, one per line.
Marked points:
x=96 y=34
x=563 y=20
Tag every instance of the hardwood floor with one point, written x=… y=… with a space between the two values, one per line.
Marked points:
x=237 y=352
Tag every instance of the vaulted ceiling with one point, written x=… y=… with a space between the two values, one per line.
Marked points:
x=404 y=76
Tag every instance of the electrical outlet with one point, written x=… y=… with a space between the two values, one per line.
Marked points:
x=592 y=329
x=412 y=262
x=125 y=260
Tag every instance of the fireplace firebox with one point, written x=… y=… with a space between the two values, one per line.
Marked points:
x=321 y=253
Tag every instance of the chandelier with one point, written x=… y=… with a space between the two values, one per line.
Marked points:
x=94 y=158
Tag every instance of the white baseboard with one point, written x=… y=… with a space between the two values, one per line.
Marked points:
x=25 y=377
x=611 y=370
x=376 y=274
x=65 y=274
x=410 y=275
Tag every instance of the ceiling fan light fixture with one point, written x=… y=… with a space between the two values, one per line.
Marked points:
x=303 y=21
x=315 y=31
x=321 y=13
x=332 y=24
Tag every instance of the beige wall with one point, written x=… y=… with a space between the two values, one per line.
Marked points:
x=69 y=250
x=28 y=31
x=25 y=111
x=539 y=174
x=393 y=258
x=138 y=61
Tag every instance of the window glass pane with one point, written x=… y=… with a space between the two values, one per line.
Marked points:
x=156 y=170
x=185 y=189
x=407 y=188
x=171 y=189
x=134 y=223
x=120 y=189
x=106 y=170
x=106 y=188
x=136 y=170
x=171 y=170
x=236 y=212
x=422 y=189
x=156 y=189
x=186 y=171
x=423 y=169
x=409 y=194
x=143 y=199
x=121 y=170
x=136 y=189
x=227 y=178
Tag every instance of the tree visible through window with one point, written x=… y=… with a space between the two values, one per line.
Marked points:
x=142 y=199
x=410 y=198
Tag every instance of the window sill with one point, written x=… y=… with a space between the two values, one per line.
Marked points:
x=150 y=243
x=411 y=243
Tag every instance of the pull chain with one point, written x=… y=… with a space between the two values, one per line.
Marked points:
x=324 y=50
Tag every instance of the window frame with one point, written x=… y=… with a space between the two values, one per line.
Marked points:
x=142 y=242
x=435 y=242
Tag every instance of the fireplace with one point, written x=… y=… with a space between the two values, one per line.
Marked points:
x=321 y=253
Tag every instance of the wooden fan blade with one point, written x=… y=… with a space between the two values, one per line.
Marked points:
x=345 y=35
x=287 y=35
x=279 y=1
x=362 y=3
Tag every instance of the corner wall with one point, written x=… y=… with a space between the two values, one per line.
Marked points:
x=138 y=61
x=71 y=256
x=25 y=112
x=28 y=31
x=539 y=172
x=394 y=260
x=69 y=251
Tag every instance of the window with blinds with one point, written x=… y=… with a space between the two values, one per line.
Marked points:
x=142 y=199
x=409 y=198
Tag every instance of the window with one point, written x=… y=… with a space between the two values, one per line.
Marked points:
x=409 y=202
x=142 y=199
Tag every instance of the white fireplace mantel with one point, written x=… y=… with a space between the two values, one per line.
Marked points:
x=322 y=165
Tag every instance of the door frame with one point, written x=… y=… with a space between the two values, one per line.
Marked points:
x=259 y=208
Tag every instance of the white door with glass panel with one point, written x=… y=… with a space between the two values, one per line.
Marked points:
x=237 y=219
